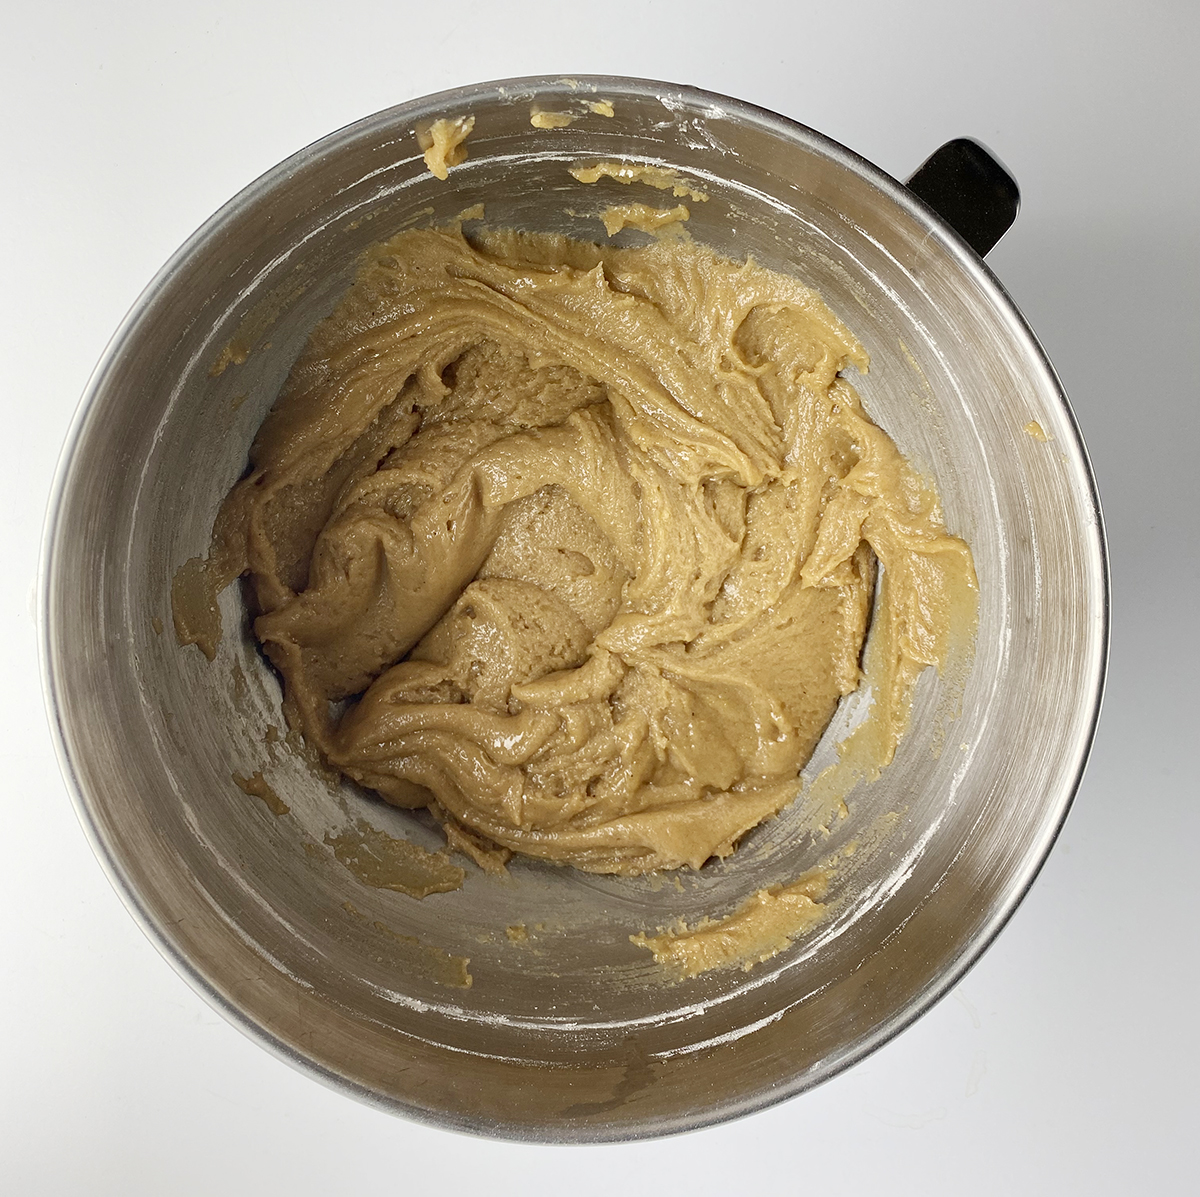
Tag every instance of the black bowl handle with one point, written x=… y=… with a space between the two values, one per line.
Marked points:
x=965 y=184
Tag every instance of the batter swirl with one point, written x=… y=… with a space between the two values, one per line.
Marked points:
x=577 y=546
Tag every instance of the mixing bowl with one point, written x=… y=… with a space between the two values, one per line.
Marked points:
x=568 y=1031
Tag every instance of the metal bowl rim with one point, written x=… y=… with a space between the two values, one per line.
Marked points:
x=404 y=116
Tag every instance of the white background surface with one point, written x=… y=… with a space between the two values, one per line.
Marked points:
x=1066 y=1061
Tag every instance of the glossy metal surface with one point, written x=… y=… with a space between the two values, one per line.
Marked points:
x=572 y=1035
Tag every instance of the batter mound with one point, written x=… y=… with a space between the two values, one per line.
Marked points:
x=577 y=546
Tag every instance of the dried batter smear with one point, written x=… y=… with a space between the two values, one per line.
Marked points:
x=760 y=928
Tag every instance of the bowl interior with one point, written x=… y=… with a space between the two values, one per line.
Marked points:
x=571 y=1032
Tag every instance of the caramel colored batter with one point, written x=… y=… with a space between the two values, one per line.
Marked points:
x=577 y=546
x=443 y=145
x=764 y=925
x=379 y=860
x=547 y=118
x=644 y=218
x=543 y=118
x=660 y=177
x=257 y=786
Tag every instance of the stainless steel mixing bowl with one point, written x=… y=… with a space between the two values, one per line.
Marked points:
x=573 y=1034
